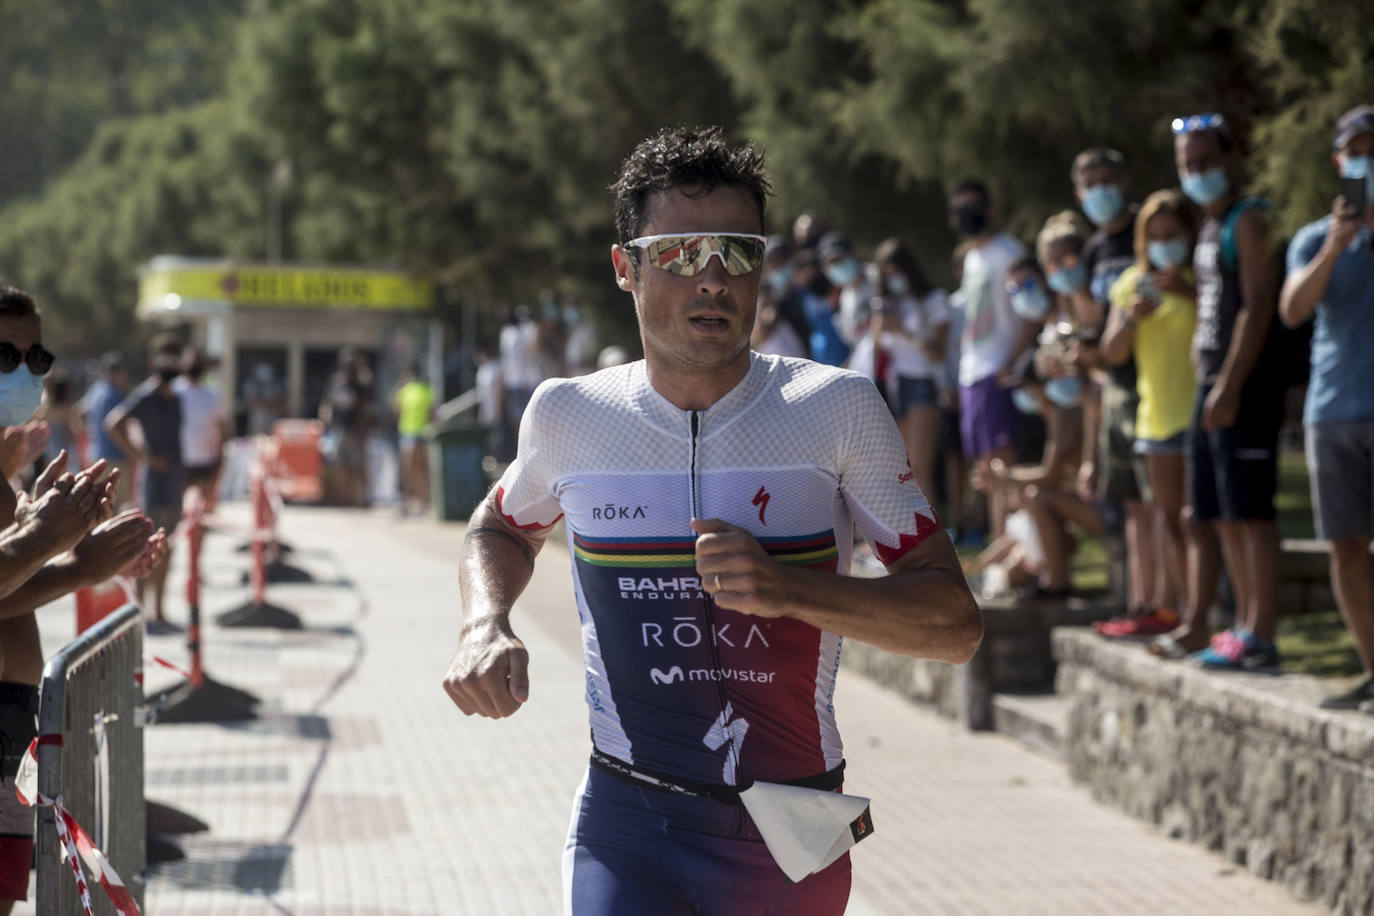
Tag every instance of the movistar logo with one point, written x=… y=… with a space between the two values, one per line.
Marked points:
x=672 y=676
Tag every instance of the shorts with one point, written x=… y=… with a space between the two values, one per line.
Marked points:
x=1233 y=473
x=1119 y=471
x=634 y=850
x=18 y=726
x=407 y=442
x=951 y=443
x=201 y=475
x=987 y=418
x=1176 y=444
x=1340 y=463
x=913 y=392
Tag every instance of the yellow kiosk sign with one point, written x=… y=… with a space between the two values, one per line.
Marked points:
x=176 y=284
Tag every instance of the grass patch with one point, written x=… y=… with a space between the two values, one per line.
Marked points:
x=1317 y=644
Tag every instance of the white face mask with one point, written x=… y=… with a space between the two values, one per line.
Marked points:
x=20 y=393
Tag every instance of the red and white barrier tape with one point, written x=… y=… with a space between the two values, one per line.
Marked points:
x=77 y=845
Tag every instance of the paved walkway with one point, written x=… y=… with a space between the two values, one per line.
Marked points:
x=364 y=791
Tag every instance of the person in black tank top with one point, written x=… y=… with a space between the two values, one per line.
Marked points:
x=1233 y=443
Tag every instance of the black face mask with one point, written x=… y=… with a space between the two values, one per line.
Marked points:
x=971 y=220
x=167 y=375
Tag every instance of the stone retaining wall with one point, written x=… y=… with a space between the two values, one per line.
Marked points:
x=1239 y=763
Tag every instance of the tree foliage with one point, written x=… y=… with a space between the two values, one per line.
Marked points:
x=474 y=140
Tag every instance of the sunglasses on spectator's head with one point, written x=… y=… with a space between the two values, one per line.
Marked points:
x=1198 y=122
x=37 y=359
x=687 y=254
x=1024 y=285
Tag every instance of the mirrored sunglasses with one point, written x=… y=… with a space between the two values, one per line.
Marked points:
x=687 y=255
x=37 y=358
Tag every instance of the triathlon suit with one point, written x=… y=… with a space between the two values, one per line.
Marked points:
x=700 y=696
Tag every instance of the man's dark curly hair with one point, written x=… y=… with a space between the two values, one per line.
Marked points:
x=684 y=157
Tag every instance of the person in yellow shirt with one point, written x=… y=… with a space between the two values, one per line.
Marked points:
x=413 y=404
x=1154 y=313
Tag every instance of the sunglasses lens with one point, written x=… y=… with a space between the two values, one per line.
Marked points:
x=10 y=357
x=39 y=360
x=688 y=255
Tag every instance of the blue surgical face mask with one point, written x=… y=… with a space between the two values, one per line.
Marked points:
x=780 y=280
x=1357 y=166
x=898 y=284
x=1068 y=280
x=842 y=273
x=1168 y=253
x=1204 y=188
x=1024 y=402
x=20 y=393
x=1064 y=392
x=1103 y=203
x=1031 y=303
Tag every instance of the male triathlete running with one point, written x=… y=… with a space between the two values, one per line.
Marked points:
x=710 y=495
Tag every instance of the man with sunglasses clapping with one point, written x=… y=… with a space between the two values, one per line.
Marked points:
x=710 y=496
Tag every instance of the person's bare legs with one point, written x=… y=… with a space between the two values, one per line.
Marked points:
x=956 y=480
x=997 y=498
x=1053 y=511
x=1204 y=563
x=1352 y=578
x=1260 y=543
x=920 y=426
x=157 y=578
x=1140 y=560
x=1233 y=555
x=1166 y=475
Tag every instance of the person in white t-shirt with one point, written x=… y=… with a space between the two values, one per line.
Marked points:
x=490 y=397
x=994 y=336
x=520 y=373
x=204 y=424
x=911 y=328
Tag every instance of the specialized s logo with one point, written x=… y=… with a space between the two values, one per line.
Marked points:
x=908 y=476
x=761 y=500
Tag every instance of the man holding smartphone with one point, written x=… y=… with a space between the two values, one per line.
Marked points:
x=1331 y=276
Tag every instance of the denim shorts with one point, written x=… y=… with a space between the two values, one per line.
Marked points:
x=913 y=392
x=1176 y=444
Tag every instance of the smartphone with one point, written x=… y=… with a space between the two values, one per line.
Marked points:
x=1145 y=288
x=1355 y=192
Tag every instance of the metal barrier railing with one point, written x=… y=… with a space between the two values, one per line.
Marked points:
x=92 y=695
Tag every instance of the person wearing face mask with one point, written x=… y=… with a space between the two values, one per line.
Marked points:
x=994 y=336
x=1232 y=449
x=1331 y=277
x=849 y=277
x=53 y=541
x=813 y=293
x=156 y=409
x=779 y=287
x=204 y=425
x=912 y=332
x=1153 y=318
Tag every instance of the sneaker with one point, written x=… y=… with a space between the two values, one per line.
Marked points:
x=1242 y=651
x=155 y=627
x=1356 y=697
x=1152 y=623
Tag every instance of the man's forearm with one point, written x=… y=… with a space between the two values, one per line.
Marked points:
x=47 y=584
x=494 y=567
x=1305 y=289
x=22 y=555
x=1247 y=341
x=924 y=612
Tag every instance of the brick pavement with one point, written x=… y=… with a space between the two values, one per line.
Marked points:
x=363 y=791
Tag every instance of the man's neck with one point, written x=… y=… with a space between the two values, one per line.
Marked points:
x=982 y=238
x=1127 y=218
x=688 y=389
x=1218 y=207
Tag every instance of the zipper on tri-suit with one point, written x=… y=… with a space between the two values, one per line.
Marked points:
x=710 y=604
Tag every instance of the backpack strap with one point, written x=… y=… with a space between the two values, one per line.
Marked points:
x=1229 y=256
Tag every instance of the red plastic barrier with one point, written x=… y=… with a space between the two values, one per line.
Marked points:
x=297 y=462
x=97 y=602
